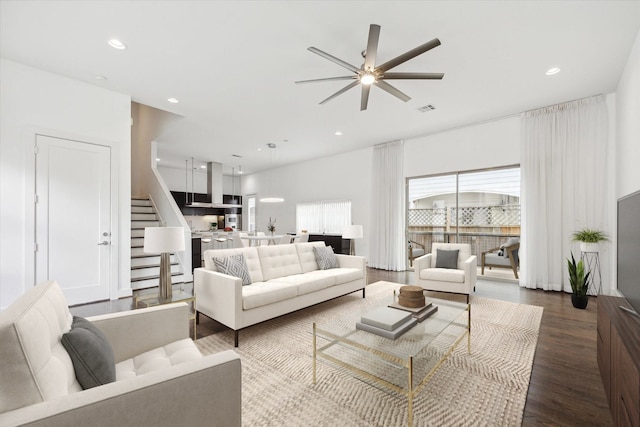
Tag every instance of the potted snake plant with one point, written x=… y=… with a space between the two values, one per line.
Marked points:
x=579 y=283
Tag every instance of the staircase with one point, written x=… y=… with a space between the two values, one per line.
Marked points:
x=145 y=268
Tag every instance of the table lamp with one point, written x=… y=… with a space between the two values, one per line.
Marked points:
x=164 y=240
x=352 y=232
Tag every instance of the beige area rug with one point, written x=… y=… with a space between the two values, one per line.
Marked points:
x=485 y=388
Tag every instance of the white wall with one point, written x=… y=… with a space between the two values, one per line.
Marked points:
x=36 y=101
x=628 y=125
x=340 y=177
x=489 y=144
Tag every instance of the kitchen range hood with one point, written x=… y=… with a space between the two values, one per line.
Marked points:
x=214 y=188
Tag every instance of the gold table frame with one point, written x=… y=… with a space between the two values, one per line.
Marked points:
x=151 y=300
x=411 y=390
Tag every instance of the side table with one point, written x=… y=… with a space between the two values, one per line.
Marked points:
x=151 y=300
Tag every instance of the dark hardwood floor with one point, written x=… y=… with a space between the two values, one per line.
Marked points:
x=565 y=389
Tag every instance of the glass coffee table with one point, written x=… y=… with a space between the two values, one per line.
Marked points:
x=403 y=365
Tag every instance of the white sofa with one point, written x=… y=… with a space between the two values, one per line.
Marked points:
x=459 y=280
x=161 y=378
x=284 y=278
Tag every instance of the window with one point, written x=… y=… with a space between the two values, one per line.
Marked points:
x=323 y=217
x=251 y=205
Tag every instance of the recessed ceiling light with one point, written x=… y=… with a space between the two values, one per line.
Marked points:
x=338 y=133
x=173 y=100
x=259 y=149
x=203 y=166
x=117 y=44
x=552 y=71
x=157 y=160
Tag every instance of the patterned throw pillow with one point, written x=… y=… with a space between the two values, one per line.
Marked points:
x=325 y=257
x=234 y=265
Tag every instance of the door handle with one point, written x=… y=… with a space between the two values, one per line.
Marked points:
x=104 y=242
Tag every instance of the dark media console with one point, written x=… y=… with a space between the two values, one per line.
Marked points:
x=619 y=359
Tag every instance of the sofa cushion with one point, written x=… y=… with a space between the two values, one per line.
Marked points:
x=233 y=265
x=447 y=259
x=264 y=293
x=345 y=275
x=325 y=257
x=442 y=275
x=91 y=354
x=164 y=357
x=250 y=257
x=279 y=261
x=310 y=282
x=34 y=366
x=307 y=256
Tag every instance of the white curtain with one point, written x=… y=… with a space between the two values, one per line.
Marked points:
x=564 y=187
x=387 y=238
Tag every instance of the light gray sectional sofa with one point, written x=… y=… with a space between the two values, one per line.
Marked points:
x=161 y=378
x=284 y=278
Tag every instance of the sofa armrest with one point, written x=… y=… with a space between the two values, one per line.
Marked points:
x=351 y=261
x=202 y=392
x=133 y=332
x=471 y=272
x=421 y=263
x=219 y=296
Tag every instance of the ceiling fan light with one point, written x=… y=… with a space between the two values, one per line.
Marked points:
x=367 y=78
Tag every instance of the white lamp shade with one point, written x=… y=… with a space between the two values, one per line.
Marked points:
x=352 y=232
x=163 y=239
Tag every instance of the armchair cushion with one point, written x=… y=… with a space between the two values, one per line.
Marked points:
x=91 y=354
x=447 y=259
x=443 y=275
x=160 y=358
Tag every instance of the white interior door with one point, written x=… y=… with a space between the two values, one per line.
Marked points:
x=73 y=217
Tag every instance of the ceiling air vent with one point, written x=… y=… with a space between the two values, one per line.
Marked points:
x=236 y=155
x=426 y=108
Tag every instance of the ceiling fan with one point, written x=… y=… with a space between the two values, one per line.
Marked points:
x=369 y=75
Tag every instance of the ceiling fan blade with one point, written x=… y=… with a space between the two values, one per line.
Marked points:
x=392 y=90
x=372 y=47
x=328 y=79
x=341 y=91
x=408 y=55
x=426 y=76
x=364 y=100
x=334 y=59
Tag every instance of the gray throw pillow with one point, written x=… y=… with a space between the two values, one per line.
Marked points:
x=447 y=259
x=325 y=257
x=233 y=265
x=91 y=354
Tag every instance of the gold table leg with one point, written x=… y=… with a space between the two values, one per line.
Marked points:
x=314 y=352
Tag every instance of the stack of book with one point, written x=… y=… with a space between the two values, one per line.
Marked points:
x=418 y=313
x=387 y=322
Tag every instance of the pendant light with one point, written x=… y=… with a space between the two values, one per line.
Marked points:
x=271 y=198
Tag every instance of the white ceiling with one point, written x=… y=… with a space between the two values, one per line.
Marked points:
x=232 y=65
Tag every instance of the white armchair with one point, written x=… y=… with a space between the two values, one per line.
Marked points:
x=459 y=277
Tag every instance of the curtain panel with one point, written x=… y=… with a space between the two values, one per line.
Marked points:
x=387 y=239
x=564 y=187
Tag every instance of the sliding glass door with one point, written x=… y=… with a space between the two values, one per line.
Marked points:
x=477 y=207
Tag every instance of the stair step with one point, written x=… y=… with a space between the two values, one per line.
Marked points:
x=144 y=217
x=148 y=260
x=142 y=209
x=137 y=224
x=141 y=202
x=152 y=271
x=137 y=233
x=149 y=282
x=137 y=242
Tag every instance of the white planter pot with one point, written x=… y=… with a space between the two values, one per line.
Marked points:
x=589 y=247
